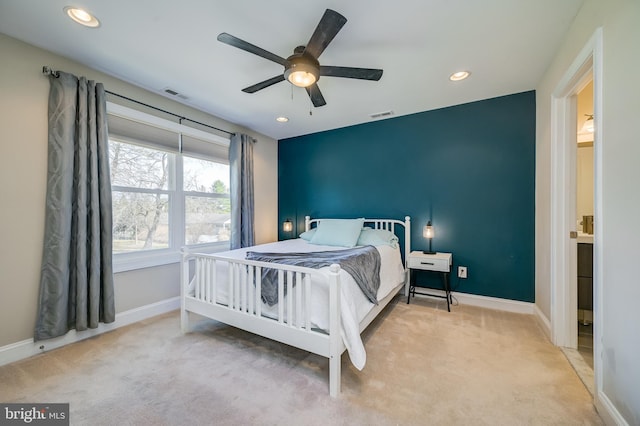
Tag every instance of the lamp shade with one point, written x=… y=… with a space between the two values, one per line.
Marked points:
x=287 y=226
x=301 y=78
x=427 y=231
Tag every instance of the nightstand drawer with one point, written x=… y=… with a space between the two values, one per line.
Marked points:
x=430 y=262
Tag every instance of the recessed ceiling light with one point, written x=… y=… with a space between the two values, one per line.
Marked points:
x=460 y=75
x=81 y=16
x=282 y=119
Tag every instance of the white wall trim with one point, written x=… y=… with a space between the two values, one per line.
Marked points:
x=496 y=303
x=563 y=280
x=607 y=411
x=27 y=348
x=543 y=321
x=563 y=290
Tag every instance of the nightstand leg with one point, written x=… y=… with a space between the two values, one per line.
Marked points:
x=447 y=291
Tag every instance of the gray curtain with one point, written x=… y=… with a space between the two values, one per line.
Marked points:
x=241 y=186
x=76 y=283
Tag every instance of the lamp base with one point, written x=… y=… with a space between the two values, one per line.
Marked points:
x=429 y=252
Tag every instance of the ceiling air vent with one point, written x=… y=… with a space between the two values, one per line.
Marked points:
x=172 y=92
x=381 y=114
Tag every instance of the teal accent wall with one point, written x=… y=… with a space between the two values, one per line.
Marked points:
x=470 y=169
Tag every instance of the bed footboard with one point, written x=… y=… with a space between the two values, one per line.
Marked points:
x=229 y=291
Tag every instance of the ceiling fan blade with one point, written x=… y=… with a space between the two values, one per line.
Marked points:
x=264 y=84
x=326 y=30
x=348 y=72
x=316 y=96
x=248 y=47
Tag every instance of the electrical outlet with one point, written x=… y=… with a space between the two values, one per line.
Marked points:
x=462 y=272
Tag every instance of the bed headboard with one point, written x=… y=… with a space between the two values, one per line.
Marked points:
x=387 y=224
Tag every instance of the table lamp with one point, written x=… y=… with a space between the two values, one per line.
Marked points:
x=428 y=233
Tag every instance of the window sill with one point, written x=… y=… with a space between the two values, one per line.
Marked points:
x=123 y=262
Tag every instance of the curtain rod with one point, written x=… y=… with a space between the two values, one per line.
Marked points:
x=49 y=71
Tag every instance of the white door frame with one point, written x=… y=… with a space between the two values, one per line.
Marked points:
x=564 y=316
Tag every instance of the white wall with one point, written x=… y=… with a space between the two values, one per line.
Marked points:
x=23 y=169
x=619 y=20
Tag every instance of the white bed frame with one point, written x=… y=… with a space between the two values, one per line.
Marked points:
x=244 y=308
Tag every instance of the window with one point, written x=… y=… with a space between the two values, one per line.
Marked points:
x=207 y=207
x=140 y=192
x=170 y=188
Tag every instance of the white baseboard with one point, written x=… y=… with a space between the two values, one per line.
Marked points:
x=495 y=303
x=489 y=302
x=26 y=348
x=543 y=321
x=608 y=412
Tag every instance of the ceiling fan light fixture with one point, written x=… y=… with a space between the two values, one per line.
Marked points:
x=460 y=75
x=301 y=78
x=82 y=17
x=588 y=125
x=301 y=72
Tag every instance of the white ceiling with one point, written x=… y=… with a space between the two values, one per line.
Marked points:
x=506 y=44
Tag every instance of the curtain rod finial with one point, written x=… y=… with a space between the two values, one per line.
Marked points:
x=48 y=71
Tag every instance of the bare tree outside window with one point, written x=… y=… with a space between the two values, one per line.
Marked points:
x=140 y=179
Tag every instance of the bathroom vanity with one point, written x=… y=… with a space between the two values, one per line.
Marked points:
x=585 y=277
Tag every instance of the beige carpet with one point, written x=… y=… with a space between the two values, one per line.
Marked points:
x=425 y=366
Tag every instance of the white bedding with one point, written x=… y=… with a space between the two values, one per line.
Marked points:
x=354 y=304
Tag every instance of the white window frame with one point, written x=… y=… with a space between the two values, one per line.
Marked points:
x=157 y=257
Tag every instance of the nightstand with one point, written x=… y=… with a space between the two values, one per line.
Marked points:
x=438 y=262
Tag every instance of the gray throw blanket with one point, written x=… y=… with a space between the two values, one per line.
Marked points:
x=363 y=263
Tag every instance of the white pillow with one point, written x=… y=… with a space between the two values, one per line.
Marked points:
x=338 y=232
x=307 y=235
x=377 y=237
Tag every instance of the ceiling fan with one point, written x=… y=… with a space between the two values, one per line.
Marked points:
x=302 y=69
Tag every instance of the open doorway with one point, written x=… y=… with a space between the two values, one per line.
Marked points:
x=586 y=68
x=584 y=222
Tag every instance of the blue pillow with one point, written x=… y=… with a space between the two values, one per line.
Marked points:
x=377 y=237
x=337 y=232
x=307 y=235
